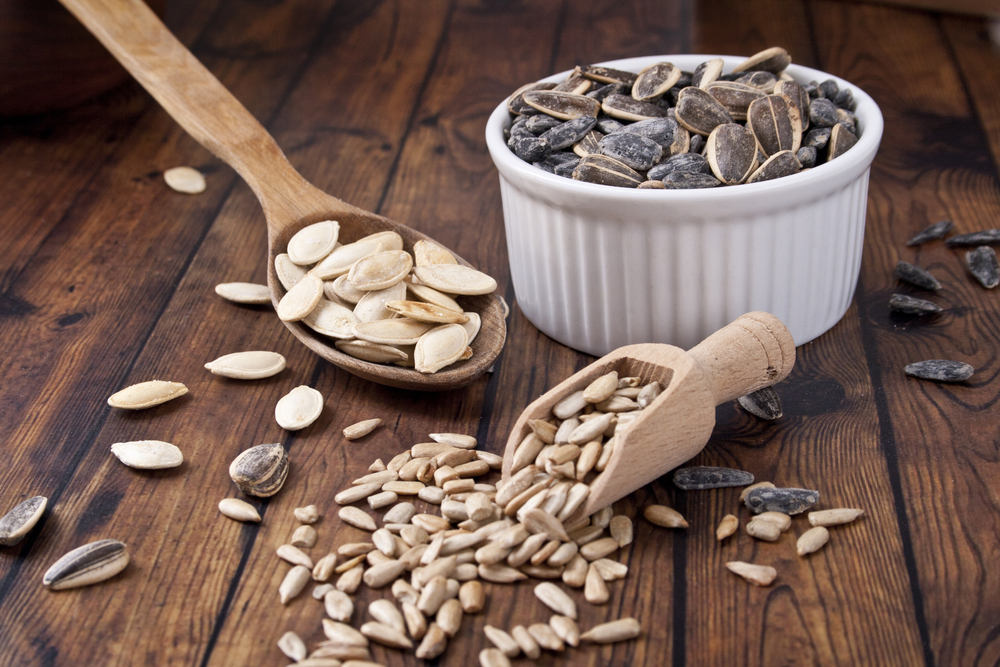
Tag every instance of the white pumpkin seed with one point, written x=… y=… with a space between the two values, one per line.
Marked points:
x=288 y=272
x=431 y=295
x=239 y=510
x=313 y=242
x=455 y=279
x=426 y=312
x=146 y=394
x=440 y=347
x=249 y=293
x=428 y=252
x=86 y=565
x=374 y=305
x=301 y=300
x=148 y=454
x=298 y=408
x=185 y=179
x=339 y=261
x=344 y=290
x=331 y=319
x=252 y=365
x=16 y=523
x=380 y=270
x=374 y=352
x=391 y=332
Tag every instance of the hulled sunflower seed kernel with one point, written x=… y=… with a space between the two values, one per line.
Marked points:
x=812 y=540
x=292 y=646
x=834 y=517
x=759 y=575
x=239 y=510
x=293 y=583
x=613 y=631
x=727 y=527
x=664 y=516
x=308 y=514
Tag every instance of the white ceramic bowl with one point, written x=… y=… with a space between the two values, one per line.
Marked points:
x=597 y=267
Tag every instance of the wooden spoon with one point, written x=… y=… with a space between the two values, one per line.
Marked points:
x=213 y=117
x=753 y=351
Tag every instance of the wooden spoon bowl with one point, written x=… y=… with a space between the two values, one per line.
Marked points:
x=212 y=116
x=753 y=351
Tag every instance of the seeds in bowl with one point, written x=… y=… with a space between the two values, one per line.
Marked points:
x=380 y=302
x=667 y=128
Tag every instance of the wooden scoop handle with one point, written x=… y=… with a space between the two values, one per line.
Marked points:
x=199 y=103
x=753 y=351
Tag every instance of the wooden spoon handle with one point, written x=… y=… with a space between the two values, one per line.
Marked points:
x=195 y=99
x=753 y=351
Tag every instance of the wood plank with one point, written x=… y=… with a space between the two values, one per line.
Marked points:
x=940 y=440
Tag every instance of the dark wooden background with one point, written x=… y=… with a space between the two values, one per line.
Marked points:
x=107 y=279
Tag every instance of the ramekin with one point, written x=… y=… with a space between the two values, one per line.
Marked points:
x=596 y=267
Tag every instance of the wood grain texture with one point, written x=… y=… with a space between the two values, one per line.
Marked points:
x=106 y=279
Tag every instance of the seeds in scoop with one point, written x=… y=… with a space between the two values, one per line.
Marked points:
x=455 y=279
x=86 y=565
x=732 y=152
x=313 y=242
x=16 y=523
x=562 y=105
x=940 y=370
x=368 y=351
x=916 y=276
x=252 y=365
x=727 y=527
x=247 y=293
x=655 y=80
x=664 y=516
x=339 y=261
x=292 y=646
x=983 y=265
x=392 y=332
x=298 y=408
x=938 y=230
x=146 y=394
x=710 y=477
x=910 y=305
x=261 y=470
x=812 y=540
x=613 y=631
x=787 y=500
x=697 y=111
x=362 y=428
x=439 y=347
x=759 y=575
x=983 y=237
x=148 y=454
x=763 y=404
x=834 y=517
x=606 y=171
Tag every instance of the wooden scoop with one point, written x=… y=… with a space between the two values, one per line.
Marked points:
x=753 y=351
x=213 y=117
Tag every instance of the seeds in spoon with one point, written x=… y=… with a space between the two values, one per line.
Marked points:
x=391 y=332
x=439 y=347
x=313 y=242
x=372 y=306
x=375 y=352
x=380 y=270
x=340 y=260
x=86 y=565
x=455 y=279
x=428 y=252
x=16 y=523
x=288 y=272
x=148 y=454
x=432 y=296
x=252 y=365
x=298 y=408
x=331 y=319
x=146 y=394
x=248 y=293
x=301 y=299
x=185 y=179
x=426 y=312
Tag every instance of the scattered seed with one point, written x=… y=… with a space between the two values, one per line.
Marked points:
x=983 y=265
x=434 y=643
x=984 y=237
x=294 y=555
x=785 y=500
x=909 y=305
x=148 y=454
x=493 y=657
x=239 y=510
x=298 y=408
x=763 y=404
x=940 y=370
x=834 y=517
x=710 y=477
x=292 y=646
x=613 y=631
x=759 y=575
x=758 y=485
x=769 y=531
x=146 y=394
x=185 y=179
x=357 y=518
x=664 y=516
x=19 y=521
x=916 y=276
x=935 y=231
x=727 y=527
x=812 y=540
x=252 y=365
x=86 y=565
x=307 y=514
x=304 y=536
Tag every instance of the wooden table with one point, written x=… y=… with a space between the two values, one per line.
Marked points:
x=108 y=275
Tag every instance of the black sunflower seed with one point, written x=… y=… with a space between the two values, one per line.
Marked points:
x=841 y=140
x=806 y=156
x=732 y=152
x=797 y=99
x=911 y=305
x=765 y=81
x=609 y=125
x=787 y=500
x=916 y=276
x=688 y=163
x=529 y=148
x=706 y=73
x=569 y=132
x=635 y=150
x=829 y=89
x=652 y=185
x=931 y=233
x=516 y=103
x=982 y=263
x=696 y=478
x=655 y=80
x=589 y=144
x=606 y=171
x=576 y=83
x=607 y=89
x=984 y=237
x=782 y=163
x=660 y=130
x=763 y=404
x=686 y=181
x=564 y=106
x=940 y=370
x=822 y=112
x=553 y=161
x=626 y=107
x=774 y=59
x=699 y=112
x=817 y=137
x=844 y=99
x=538 y=124
x=734 y=97
x=775 y=126
x=607 y=74
x=697 y=143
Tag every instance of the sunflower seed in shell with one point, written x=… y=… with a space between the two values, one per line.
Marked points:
x=812 y=540
x=664 y=516
x=372 y=306
x=607 y=74
x=732 y=153
x=834 y=517
x=710 y=477
x=288 y=272
x=626 y=107
x=391 y=332
x=338 y=605
x=764 y=404
x=779 y=165
x=19 y=521
x=613 y=631
x=940 y=370
x=375 y=352
x=252 y=365
x=569 y=132
x=699 y=112
x=774 y=125
x=734 y=97
x=148 y=454
x=983 y=237
x=261 y=470
x=786 y=500
x=187 y=180
x=806 y=155
x=910 y=305
x=982 y=264
x=298 y=408
x=362 y=428
x=516 y=104
x=937 y=230
x=426 y=312
x=916 y=276
x=797 y=98
x=247 y=293
x=635 y=150
x=86 y=565
x=562 y=105
x=822 y=113
x=588 y=145
x=655 y=80
x=707 y=73
x=301 y=299
x=541 y=123
x=774 y=59
x=727 y=527
x=759 y=575
x=313 y=242
x=146 y=394
x=686 y=181
x=455 y=279
x=841 y=140
x=340 y=260
x=607 y=171
x=380 y=270
x=528 y=147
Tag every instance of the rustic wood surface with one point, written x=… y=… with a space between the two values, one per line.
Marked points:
x=107 y=280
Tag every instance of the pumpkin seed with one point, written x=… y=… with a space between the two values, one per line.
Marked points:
x=655 y=80
x=185 y=179
x=940 y=370
x=86 y=565
x=288 y=272
x=342 y=289
x=301 y=299
x=938 y=230
x=261 y=470
x=380 y=270
x=19 y=521
x=391 y=332
x=148 y=454
x=425 y=312
x=372 y=306
x=982 y=264
x=146 y=394
x=432 y=296
x=248 y=293
x=731 y=150
x=298 y=408
x=340 y=260
x=252 y=365
x=313 y=242
x=331 y=319
x=562 y=105
x=368 y=351
x=455 y=279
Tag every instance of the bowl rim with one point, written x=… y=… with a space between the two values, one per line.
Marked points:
x=844 y=168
